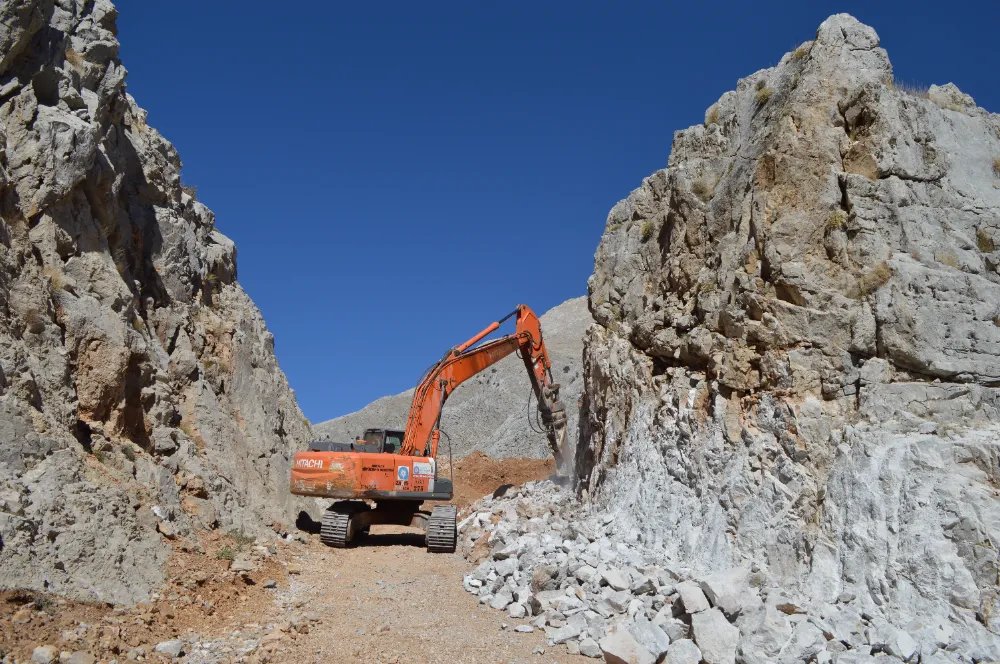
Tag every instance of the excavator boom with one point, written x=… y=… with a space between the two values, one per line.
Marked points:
x=465 y=361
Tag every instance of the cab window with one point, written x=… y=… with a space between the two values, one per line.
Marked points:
x=393 y=441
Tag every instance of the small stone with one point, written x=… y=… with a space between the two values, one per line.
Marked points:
x=692 y=597
x=167 y=529
x=643 y=585
x=242 y=564
x=44 y=655
x=683 y=651
x=615 y=579
x=505 y=568
x=172 y=648
x=590 y=648
x=573 y=647
x=620 y=647
x=80 y=657
x=502 y=599
x=270 y=583
x=524 y=629
x=789 y=608
x=294 y=568
x=729 y=605
x=715 y=636
x=517 y=611
x=620 y=600
x=563 y=634
x=649 y=636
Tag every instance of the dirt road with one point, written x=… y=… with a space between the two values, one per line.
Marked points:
x=389 y=601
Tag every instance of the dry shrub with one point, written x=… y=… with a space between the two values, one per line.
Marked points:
x=713 y=115
x=871 y=281
x=703 y=189
x=984 y=241
x=56 y=278
x=996 y=166
x=912 y=89
x=947 y=258
x=763 y=95
x=802 y=51
x=74 y=58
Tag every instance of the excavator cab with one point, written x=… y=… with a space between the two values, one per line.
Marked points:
x=386 y=441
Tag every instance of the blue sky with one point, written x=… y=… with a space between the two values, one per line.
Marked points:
x=398 y=175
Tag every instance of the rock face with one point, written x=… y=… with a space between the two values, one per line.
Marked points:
x=489 y=413
x=796 y=355
x=139 y=389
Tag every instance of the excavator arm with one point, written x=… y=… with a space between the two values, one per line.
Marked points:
x=465 y=361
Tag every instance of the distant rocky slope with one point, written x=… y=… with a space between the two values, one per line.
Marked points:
x=795 y=364
x=490 y=412
x=136 y=373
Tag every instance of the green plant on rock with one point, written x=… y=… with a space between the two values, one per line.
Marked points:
x=240 y=537
x=648 y=228
x=763 y=92
x=836 y=221
x=226 y=554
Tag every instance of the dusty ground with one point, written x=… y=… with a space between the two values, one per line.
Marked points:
x=386 y=600
x=477 y=474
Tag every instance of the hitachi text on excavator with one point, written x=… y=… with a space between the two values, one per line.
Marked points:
x=385 y=476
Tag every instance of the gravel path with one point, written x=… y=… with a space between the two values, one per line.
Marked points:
x=388 y=601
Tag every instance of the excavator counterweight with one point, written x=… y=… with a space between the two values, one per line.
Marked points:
x=398 y=470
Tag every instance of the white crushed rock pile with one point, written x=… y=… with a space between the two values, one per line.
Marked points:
x=140 y=397
x=490 y=413
x=566 y=568
x=792 y=380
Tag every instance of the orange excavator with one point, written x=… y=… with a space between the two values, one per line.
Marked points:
x=397 y=470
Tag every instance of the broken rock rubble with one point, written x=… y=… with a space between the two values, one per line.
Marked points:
x=561 y=566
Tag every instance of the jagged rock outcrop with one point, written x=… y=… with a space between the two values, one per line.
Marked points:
x=490 y=412
x=794 y=367
x=136 y=373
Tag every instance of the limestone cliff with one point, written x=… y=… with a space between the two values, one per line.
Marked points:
x=797 y=348
x=135 y=370
x=490 y=413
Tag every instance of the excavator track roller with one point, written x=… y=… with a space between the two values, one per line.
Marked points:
x=441 y=530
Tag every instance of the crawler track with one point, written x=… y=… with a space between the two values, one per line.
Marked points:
x=441 y=531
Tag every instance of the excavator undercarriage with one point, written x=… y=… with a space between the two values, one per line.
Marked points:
x=385 y=476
